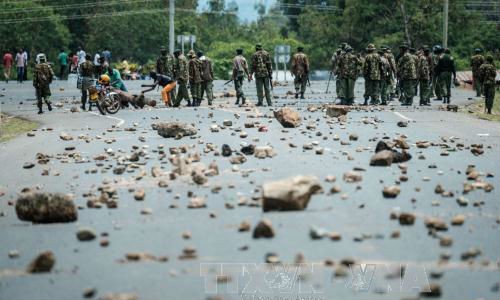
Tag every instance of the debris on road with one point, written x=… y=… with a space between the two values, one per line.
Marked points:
x=289 y=194
x=43 y=263
x=174 y=129
x=288 y=117
x=46 y=208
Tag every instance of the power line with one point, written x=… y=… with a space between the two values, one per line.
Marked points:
x=97 y=15
x=72 y=6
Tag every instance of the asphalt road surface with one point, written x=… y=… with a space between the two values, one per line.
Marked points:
x=359 y=213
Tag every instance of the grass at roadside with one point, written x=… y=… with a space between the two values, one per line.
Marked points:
x=11 y=127
x=477 y=109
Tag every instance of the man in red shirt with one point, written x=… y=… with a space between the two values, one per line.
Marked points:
x=7 y=65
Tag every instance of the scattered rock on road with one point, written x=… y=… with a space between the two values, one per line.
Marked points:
x=336 y=111
x=174 y=129
x=288 y=117
x=43 y=263
x=46 y=208
x=289 y=194
x=352 y=176
x=85 y=234
x=65 y=136
x=406 y=219
x=391 y=191
x=263 y=230
x=119 y=297
x=382 y=158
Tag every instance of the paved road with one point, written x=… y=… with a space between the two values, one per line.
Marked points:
x=359 y=213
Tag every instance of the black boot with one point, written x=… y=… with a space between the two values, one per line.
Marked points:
x=302 y=96
x=243 y=100
x=489 y=111
x=296 y=95
x=49 y=106
x=40 y=111
x=189 y=103
x=237 y=101
x=259 y=103
x=366 y=102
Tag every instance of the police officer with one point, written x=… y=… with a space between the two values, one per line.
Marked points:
x=263 y=71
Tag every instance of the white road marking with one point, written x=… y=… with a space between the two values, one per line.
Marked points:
x=120 y=121
x=483 y=134
x=402 y=116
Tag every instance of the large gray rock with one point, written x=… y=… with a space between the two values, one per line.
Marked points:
x=289 y=194
x=336 y=111
x=288 y=117
x=174 y=129
x=46 y=208
x=382 y=158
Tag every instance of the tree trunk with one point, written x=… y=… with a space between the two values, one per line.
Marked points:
x=406 y=21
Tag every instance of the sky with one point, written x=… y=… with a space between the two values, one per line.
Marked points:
x=246 y=11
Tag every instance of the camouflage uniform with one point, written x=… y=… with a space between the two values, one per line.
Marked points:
x=487 y=75
x=475 y=62
x=263 y=71
x=87 y=73
x=165 y=65
x=444 y=70
x=240 y=69
x=42 y=77
x=348 y=73
x=335 y=67
x=208 y=78
x=407 y=74
x=300 y=69
x=182 y=77
x=195 y=79
x=371 y=73
x=385 y=79
x=392 y=63
x=424 y=77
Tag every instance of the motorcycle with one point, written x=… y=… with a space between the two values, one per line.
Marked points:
x=104 y=98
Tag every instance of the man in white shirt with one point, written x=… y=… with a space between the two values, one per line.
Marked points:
x=81 y=55
x=97 y=64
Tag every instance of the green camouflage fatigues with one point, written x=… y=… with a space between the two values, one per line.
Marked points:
x=392 y=62
x=385 y=79
x=424 y=77
x=475 y=62
x=444 y=70
x=436 y=85
x=487 y=75
x=87 y=73
x=335 y=71
x=195 y=80
x=348 y=73
x=407 y=73
x=371 y=73
x=42 y=77
x=207 y=71
x=240 y=69
x=182 y=77
x=262 y=70
x=300 y=69
x=165 y=65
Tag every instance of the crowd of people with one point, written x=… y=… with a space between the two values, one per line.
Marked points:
x=425 y=72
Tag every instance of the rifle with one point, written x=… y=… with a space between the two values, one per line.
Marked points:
x=328 y=85
x=309 y=84
x=229 y=81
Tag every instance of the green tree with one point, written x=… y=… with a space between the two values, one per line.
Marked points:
x=30 y=25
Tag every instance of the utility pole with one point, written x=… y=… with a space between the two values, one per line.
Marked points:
x=445 y=24
x=171 y=35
